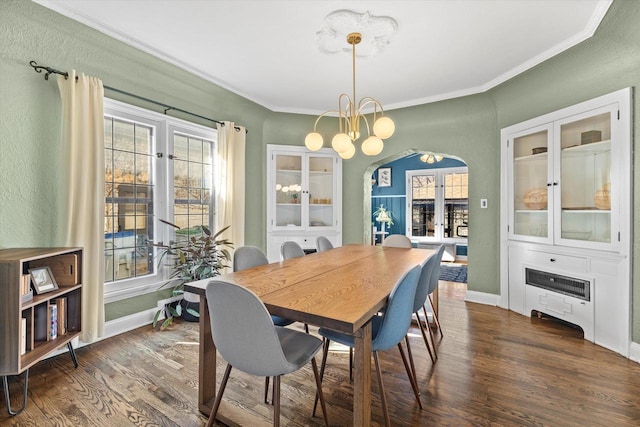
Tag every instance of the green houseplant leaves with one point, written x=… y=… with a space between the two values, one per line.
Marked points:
x=195 y=254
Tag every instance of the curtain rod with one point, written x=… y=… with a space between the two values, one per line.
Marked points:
x=49 y=71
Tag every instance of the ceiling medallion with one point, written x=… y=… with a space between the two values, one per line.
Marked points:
x=376 y=32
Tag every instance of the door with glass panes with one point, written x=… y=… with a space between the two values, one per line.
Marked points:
x=437 y=204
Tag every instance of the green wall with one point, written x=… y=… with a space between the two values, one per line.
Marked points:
x=467 y=127
x=463 y=127
x=30 y=124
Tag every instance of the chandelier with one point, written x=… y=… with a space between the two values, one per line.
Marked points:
x=431 y=158
x=349 y=118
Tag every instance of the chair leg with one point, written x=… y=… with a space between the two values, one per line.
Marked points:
x=413 y=373
x=216 y=405
x=433 y=339
x=325 y=352
x=266 y=389
x=426 y=339
x=273 y=392
x=314 y=365
x=385 y=410
x=412 y=380
x=276 y=401
x=435 y=316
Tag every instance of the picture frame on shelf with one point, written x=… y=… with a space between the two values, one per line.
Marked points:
x=42 y=280
x=384 y=177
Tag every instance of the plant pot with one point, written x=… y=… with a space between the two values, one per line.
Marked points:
x=191 y=305
x=188 y=317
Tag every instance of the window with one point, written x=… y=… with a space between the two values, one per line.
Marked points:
x=129 y=185
x=438 y=205
x=156 y=167
x=192 y=180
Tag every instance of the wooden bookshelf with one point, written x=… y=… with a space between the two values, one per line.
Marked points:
x=19 y=350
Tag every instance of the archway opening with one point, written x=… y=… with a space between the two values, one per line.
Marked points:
x=421 y=194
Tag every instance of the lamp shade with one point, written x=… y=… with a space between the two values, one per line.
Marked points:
x=349 y=152
x=341 y=142
x=384 y=127
x=313 y=141
x=372 y=146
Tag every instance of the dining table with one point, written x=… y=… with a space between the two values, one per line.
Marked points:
x=340 y=289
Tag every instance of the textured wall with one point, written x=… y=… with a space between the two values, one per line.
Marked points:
x=467 y=127
x=29 y=117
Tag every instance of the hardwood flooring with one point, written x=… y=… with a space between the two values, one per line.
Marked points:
x=495 y=368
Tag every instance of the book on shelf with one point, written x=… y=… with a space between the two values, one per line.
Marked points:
x=61 y=304
x=23 y=335
x=26 y=294
x=52 y=322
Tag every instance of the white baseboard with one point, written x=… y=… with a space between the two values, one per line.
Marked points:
x=128 y=323
x=634 y=352
x=482 y=298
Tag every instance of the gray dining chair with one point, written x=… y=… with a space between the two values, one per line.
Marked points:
x=248 y=340
x=248 y=257
x=290 y=250
x=397 y=241
x=323 y=244
x=388 y=330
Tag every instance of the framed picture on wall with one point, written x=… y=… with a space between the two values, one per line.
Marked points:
x=384 y=177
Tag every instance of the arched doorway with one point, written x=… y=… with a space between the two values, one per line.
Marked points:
x=426 y=196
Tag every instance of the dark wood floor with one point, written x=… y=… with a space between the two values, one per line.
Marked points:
x=496 y=368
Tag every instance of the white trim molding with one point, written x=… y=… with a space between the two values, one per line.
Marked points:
x=482 y=298
x=634 y=352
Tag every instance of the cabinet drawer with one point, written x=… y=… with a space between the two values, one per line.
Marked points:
x=557 y=261
x=305 y=242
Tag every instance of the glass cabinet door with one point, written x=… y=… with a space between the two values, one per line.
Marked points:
x=321 y=191
x=288 y=190
x=585 y=183
x=531 y=203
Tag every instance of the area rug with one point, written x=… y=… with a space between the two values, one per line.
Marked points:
x=453 y=272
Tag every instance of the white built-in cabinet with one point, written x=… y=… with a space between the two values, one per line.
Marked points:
x=566 y=218
x=304 y=197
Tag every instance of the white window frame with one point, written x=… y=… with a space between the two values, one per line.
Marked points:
x=164 y=127
x=439 y=205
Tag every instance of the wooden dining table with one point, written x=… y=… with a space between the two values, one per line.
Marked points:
x=340 y=289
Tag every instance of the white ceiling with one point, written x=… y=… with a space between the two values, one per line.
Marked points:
x=266 y=50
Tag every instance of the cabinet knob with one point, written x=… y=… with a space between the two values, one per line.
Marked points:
x=548 y=184
x=552 y=259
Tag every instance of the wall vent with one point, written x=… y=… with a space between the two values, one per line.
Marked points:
x=571 y=286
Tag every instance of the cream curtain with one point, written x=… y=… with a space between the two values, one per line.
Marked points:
x=230 y=181
x=82 y=190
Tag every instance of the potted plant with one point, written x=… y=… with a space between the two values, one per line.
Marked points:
x=195 y=254
x=382 y=215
